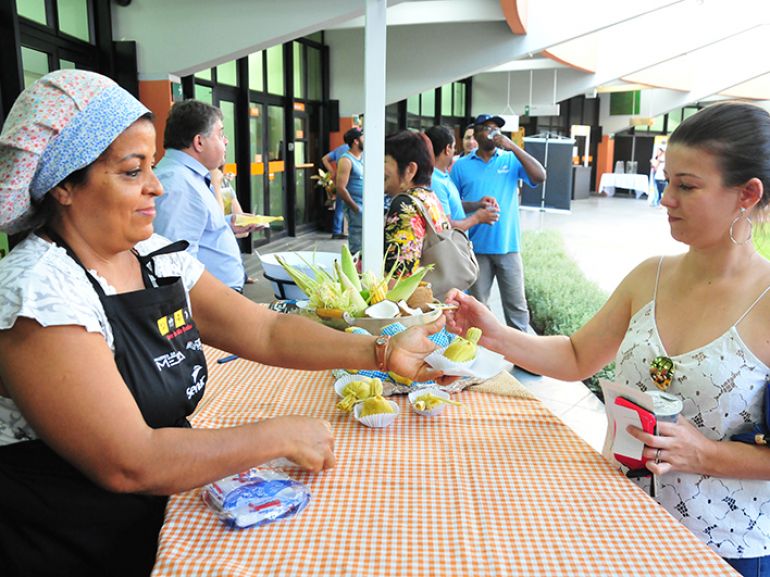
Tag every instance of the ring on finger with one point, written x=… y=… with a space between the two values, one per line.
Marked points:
x=657 y=457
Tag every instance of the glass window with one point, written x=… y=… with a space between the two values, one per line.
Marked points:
x=688 y=112
x=204 y=93
x=256 y=81
x=428 y=104
x=35 y=65
x=275 y=70
x=257 y=166
x=32 y=9
x=299 y=71
x=66 y=64
x=177 y=94
x=300 y=181
x=459 y=103
x=226 y=74
x=275 y=144
x=204 y=74
x=299 y=128
x=625 y=103
x=314 y=74
x=228 y=111
x=73 y=18
x=446 y=100
x=413 y=104
x=391 y=118
x=657 y=125
x=318 y=37
x=674 y=119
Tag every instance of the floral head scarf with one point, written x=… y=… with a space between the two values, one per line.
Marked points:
x=60 y=124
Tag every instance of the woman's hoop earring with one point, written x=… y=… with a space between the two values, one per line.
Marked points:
x=743 y=215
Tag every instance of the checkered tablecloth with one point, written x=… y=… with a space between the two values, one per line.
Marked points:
x=506 y=489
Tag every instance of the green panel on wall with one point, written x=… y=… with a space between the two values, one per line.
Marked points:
x=3 y=244
x=624 y=103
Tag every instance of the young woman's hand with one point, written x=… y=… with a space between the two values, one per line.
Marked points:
x=677 y=447
x=471 y=313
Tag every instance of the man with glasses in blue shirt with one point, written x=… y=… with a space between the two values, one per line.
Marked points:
x=195 y=145
x=494 y=169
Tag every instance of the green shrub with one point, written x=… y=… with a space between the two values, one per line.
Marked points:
x=762 y=239
x=561 y=299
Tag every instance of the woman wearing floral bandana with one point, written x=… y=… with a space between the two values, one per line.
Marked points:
x=694 y=324
x=100 y=357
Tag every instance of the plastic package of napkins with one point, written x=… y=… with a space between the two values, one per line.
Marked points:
x=256 y=497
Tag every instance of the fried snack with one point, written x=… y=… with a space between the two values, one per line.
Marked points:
x=358 y=391
x=375 y=406
x=429 y=401
x=463 y=350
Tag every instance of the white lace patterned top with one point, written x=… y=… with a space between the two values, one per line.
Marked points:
x=38 y=280
x=722 y=387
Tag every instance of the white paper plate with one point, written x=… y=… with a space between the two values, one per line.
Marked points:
x=379 y=420
x=486 y=365
x=435 y=411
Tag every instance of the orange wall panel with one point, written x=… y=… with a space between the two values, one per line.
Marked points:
x=156 y=95
x=605 y=152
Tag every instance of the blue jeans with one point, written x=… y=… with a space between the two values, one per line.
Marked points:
x=755 y=567
x=338 y=222
x=510 y=279
x=660 y=186
x=355 y=230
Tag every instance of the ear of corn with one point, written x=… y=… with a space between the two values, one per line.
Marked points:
x=358 y=304
x=404 y=287
x=349 y=267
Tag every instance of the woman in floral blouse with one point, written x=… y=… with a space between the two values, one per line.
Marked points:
x=408 y=172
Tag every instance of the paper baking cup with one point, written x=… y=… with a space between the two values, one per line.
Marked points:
x=435 y=411
x=345 y=380
x=376 y=421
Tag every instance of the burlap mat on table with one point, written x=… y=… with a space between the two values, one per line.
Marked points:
x=504 y=384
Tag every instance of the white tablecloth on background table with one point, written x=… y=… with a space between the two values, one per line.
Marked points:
x=639 y=183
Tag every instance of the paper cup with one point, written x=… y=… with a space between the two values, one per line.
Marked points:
x=379 y=420
x=435 y=411
x=345 y=380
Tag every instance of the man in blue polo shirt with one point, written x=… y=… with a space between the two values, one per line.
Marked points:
x=494 y=169
x=484 y=211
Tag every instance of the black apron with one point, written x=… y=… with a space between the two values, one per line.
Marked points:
x=54 y=520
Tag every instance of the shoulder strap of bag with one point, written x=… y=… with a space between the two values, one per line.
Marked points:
x=421 y=207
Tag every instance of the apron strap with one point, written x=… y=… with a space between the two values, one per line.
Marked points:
x=147 y=264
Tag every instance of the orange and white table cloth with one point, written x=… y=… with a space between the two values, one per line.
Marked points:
x=505 y=489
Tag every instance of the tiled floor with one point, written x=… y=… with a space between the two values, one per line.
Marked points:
x=606 y=236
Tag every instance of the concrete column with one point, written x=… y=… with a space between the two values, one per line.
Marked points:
x=374 y=134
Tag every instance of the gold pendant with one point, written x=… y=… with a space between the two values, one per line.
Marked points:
x=662 y=371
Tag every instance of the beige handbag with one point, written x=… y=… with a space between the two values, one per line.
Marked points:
x=451 y=254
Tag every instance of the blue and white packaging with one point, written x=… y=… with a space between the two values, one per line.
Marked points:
x=255 y=497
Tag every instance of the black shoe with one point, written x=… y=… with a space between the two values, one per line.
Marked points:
x=336 y=236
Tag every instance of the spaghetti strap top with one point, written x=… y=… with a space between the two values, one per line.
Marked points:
x=735 y=324
x=722 y=387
